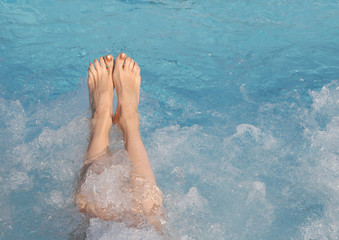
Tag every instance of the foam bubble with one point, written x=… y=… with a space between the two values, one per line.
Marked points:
x=253 y=183
x=107 y=185
x=101 y=230
x=111 y=190
x=323 y=131
x=191 y=202
x=184 y=209
x=13 y=120
x=257 y=192
x=57 y=199
x=20 y=180
x=39 y=168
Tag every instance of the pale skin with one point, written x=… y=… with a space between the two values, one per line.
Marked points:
x=124 y=76
x=126 y=79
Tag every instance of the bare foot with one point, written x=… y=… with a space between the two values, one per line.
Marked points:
x=126 y=77
x=147 y=197
x=100 y=86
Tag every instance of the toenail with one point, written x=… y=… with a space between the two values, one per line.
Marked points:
x=109 y=57
x=123 y=55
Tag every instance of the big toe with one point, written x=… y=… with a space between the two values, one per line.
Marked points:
x=109 y=63
x=119 y=62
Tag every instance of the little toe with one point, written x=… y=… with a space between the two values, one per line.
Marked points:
x=136 y=68
x=90 y=79
x=92 y=69
x=109 y=63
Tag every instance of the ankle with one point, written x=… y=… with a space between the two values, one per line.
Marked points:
x=101 y=122
x=102 y=112
x=129 y=121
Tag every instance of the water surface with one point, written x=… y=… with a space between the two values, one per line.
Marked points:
x=239 y=113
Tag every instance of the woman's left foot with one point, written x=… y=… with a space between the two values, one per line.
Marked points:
x=126 y=77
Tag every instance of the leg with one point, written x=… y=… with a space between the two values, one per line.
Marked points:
x=100 y=86
x=145 y=198
x=126 y=77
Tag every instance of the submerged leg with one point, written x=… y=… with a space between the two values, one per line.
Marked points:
x=127 y=79
x=148 y=197
x=100 y=87
x=100 y=192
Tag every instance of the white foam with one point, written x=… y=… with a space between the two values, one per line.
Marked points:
x=13 y=119
x=42 y=167
x=107 y=185
x=101 y=230
x=235 y=187
x=327 y=100
x=186 y=209
x=191 y=201
x=57 y=199
x=20 y=180
x=257 y=192
x=324 y=165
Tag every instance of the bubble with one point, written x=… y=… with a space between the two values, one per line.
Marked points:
x=57 y=199
x=20 y=180
x=100 y=230
x=323 y=131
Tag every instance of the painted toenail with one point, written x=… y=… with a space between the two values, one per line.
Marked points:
x=123 y=55
x=109 y=57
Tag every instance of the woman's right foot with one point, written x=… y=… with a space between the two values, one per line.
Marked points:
x=126 y=78
x=100 y=87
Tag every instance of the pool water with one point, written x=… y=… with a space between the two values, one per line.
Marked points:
x=239 y=113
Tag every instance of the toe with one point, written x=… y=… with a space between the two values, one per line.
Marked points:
x=90 y=79
x=109 y=63
x=136 y=68
x=102 y=62
x=119 y=62
x=97 y=64
x=91 y=68
x=127 y=63
x=131 y=65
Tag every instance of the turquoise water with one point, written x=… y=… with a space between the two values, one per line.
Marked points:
x=239 y=114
